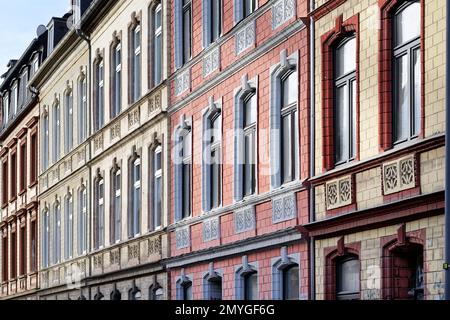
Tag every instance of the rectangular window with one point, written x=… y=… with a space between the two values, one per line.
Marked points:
x=33 y=247
x=13 y=175
x=45 y=239
x=157 y=188
x=33 y=158
x=186 y=176
x=23 y=167
x=249 y=179
x=6 y=108
x=100 y=96
x=135 y=213
x=57 y=234
x=69 y=123
x=136 y=64
x=14 y=98
x=187 y=30
x=5 y=195
x=45 y=142
x=5 y=261
x=157 y=44
x=23 y=89
x=13 y=255
x=116 y=179
x=82 y=221
x=23 y=251
x=68 y=234
x=99 y=222
x=82 y=110
x=117 y=81
x=56 y=132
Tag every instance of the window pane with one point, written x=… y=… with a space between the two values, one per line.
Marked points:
x=158 y=60
x=187 y=292
x=251 y=287
x=352 y=118
x=215 y=178
x=250 y=111
x=187 y=34
x=286 y=142
x=158 y=202
x=417 y=91
x=290 y=90
x=215 y=289
x=342 y=124
x=186 y=190
x=407 y=24
x=157 y=164
x=401 y=111
x=215 y=19
x=347 y=277
x=249 y=7
x=346 y=58
x=291 y=286
x=249 y=166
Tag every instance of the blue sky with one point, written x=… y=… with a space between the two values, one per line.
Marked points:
x=19 y=20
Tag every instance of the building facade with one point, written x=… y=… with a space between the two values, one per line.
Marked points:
x=378 y=217
x=19 y=138
x=240 y=150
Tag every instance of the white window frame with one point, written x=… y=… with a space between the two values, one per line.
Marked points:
x=157 y=174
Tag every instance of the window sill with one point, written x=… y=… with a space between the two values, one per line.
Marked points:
x=22 y=192
x=13 y=199
x=33 y=184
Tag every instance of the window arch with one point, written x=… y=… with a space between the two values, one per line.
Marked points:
x=347 y=278
x=99 y=91
x=212 y=284
x=115 y=294
x=286 y=277
x=246 y=281
x=134 y=211
x=156 y=292
x=184 y=287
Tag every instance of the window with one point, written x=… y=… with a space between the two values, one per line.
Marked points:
x=5 y=258
x=23 y=167
x=56 y=233
x=213 y=286
x=249 y=181
x=33 y=158
x=45 y=141
x=23 y=88
x=187 y=32
x=286 y=277
x=407 y=72
x=13 y=255
x=5 y=181
x=243 y=8
x=134 y=215
x=116 y=295
x=82 y=109
x=6 y=108
x=157 y=188
x=246 y=279
x=34 y=65
x=157 y=44
x=186 y=176
x=33 y=247
x=156 y=292
x=345 y=101
x=82 y=221
x=116 y=82
x=56 y=132
x=68 y=228
x=135 y=63
x=134 y=294
x=251 y=286
x=291 y=283
x=116 y=205
x=347 y=278
x=23 y=251
x=212 y=21
x=13 y=175
x=68 y=135
x=185 y=290
x=99 y=95
x=45 y=238
x=212 y=151
x=99 y=212
x=14 y=98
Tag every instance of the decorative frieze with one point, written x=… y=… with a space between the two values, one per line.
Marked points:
x=114 y=257
x=98 y=142
x=154 y=103
x=339 y=192
x=183 y=82
x=399 y=175
x=133 y=251
x=155 y=246
x=183 y=237
x=211 y=62
x=282 y=11
x=98 y=261
x=245 y=219
x=115 y=131
x=245 y=38
x=284 y=208
x=81 y=156
x=211 y=229
x=134 y=118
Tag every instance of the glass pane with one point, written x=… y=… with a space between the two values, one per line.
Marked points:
x=157 y=163
x=290 y=90
x=342 y=124
x=187 y=34
x=417 y=91
x=249 y=7
x=186 y=190
x=401 y=111
x=158 y=60
x=346 y=58
x=296 y=147
x=353 y=120
x=251 y=287
x=187 y=148
x=187 y=292
x=158 y=202
x=249 y=166
x=250 y=111
x=158 y=18
x=215 y=289
x=291 y=286
x=215 y=19
x=348 y=276
x=286 y=141
x=215 y=178
x=407 y=24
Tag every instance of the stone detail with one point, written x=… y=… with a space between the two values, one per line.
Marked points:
x=282 y=11
x=134 y=118
x=245 y=219
x=133 y=251
x=284 y=208
x=98 y=261
x=81 y=156
x=399 y=175
x=116 y=131
x=98 y=143
x=339 y=193
x=211 y=62
x=183 y=82
x=183 y=238
x=154 y=103
x=211 y=229
x=245 y=38
x=114 y=257
x=155 y=246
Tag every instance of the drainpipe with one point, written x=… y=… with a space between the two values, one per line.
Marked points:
x=447 y=159
x=84 y=37
x=312 y=145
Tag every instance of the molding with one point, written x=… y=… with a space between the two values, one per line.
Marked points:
x=326 y=8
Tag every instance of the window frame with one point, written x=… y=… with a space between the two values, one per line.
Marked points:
x=99 y=212
x=68 y=125
x=116 y=205
x=157 y=174
x=250 y=130
x=184 y=45
x=134 y=211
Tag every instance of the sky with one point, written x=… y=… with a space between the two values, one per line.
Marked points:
x=19 y=20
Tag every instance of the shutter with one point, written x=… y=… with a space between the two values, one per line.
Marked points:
x=275 y=133
x=178 y=34
x=206 y=16
x=238 y=12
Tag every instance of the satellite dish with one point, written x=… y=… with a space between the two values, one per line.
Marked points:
x=41 y=30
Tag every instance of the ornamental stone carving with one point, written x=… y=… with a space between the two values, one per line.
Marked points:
x=245 y=219
x=339 y=193
x=245 y=38
x=134 y=118
x=155 y=246
x=282 y=11
x=183 y=82
x=211 y=229
x=284 y=208
x=399 y=175
x=133 y=251
x=211 y=62
x=183 y=238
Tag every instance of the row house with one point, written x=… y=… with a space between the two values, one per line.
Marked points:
x=19 y=113
x=104 y=160
x=377 y=222
x=240 y=150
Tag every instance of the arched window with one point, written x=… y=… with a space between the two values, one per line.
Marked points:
x=45 y=141
x=156 y=292
x=134 y=211
x=56 y=132
x=45 y=237
x=249 y=181
x=407 y=72
x=68 y=119
x=156 y=32
x=291 y=282
x=345 y=100
x=286 y=277
x=348 y=278
x=135 y=68
x=212 y=284
x=99 y=296
x=183 y=171
x=246 y=281
x=82 y=108
x=116 y=204
x=99 y=115
x=116 y=81
x=99 y=211
x=157 y=187
x=116 y=295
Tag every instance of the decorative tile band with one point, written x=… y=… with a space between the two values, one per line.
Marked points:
x=245 y=38
x=183 y=238
x=399 y=175
x=211 y=62
x=183 y=82
x=245 y=219
x=284 y=208
x=339 y=193
x=211 y=229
